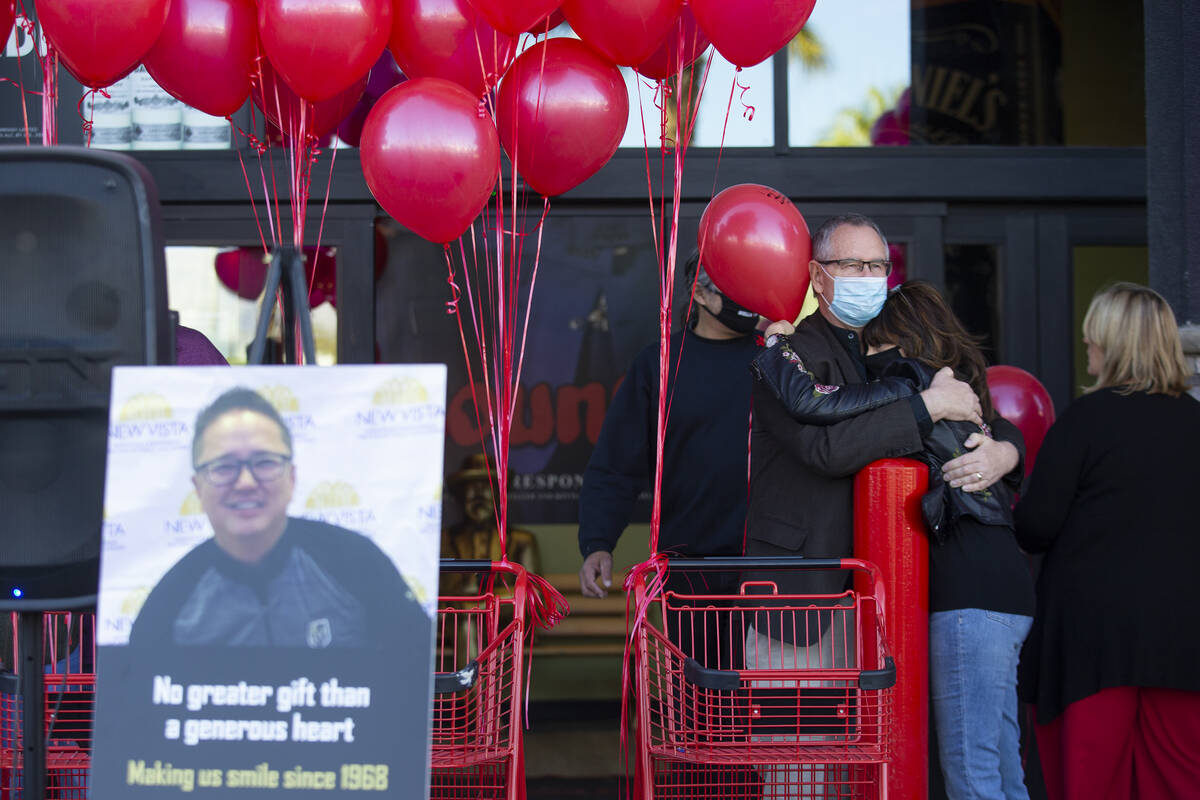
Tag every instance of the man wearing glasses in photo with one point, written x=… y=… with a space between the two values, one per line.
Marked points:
x=264 y=578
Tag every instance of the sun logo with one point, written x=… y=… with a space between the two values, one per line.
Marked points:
x=191 y=505
x=281 y=397
x=131 y=604
x=400 y=392
x=145 y=406
x=332 y=494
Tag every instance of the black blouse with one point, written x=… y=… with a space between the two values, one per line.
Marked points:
x=1113 y=503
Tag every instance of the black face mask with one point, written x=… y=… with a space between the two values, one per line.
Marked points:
x=735 y=317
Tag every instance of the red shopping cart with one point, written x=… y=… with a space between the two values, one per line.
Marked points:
x=68 y=700
x=761 y=694
x=479 y=658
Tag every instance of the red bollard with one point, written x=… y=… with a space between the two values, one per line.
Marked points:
x=890 y=531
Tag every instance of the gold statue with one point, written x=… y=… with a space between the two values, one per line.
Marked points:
x=475 y=536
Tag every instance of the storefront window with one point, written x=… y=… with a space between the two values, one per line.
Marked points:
x=218 y=292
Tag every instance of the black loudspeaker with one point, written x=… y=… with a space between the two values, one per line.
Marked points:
x=82 y=289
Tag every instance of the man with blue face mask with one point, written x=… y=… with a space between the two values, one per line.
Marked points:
x=802 y=476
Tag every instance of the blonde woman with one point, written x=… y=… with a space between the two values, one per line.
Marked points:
x=1112 y=663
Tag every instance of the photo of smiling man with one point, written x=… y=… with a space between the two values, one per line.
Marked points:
x=265 y=578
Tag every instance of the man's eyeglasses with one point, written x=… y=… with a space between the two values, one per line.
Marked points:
x=265 y=467
x=854 y=267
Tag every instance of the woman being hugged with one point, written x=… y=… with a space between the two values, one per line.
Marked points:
x=1113 y=661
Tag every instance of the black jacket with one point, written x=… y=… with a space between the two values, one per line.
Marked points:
x=319 y=586
x=781 y=369
x=802 y=475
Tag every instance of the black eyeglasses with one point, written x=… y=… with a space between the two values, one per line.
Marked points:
x=857 y=267
x=265 y=467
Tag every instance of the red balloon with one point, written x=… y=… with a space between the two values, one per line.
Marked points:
x=627 y=31
x=514 y=17
x=449 y=39
x=322 y=47
x=101 y=41
x=1022 y=400
x=8 y=16
x=561 y=111
x=547 y=23
x=244 y=270
x=755 y=246
x=430 y=157
x=205 y=53
x=665 y=61
x=887 y=130
x=281 y=105
x=751 y=31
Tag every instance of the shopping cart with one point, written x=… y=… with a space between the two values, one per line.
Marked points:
x=69 y=692
x=479 y=657
x=760 y=694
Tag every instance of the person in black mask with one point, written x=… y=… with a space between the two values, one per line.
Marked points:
x=705 y=451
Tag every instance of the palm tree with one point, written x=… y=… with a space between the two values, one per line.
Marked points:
x=852 y=126
x=809 y=50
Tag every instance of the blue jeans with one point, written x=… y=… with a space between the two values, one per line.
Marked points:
x=973 y=678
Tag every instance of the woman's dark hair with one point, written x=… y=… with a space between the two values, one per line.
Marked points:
x=917 y=319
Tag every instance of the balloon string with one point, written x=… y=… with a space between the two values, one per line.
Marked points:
x=453 y=304
x=747 y=109
x=30 y=31
x=250 y=192
x=324 y=210
x=87 y=118
x=635 y=616
x=725 y=128
x=49 y=64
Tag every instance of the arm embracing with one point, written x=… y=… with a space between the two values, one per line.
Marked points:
x=781 y=370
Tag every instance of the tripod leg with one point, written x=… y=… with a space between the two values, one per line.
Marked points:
x=258 y=347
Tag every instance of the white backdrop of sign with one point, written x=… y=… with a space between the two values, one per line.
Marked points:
x=368 y=455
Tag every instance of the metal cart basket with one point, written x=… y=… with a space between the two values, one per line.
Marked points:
x=478 y=680
x=69 y=692
x=763 y=694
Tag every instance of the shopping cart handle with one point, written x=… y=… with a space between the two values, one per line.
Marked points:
x=718 y=680
x=465 y=565
x=454 y=682
x=758 y=562
x=874 y=679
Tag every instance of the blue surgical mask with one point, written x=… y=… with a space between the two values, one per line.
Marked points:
x=857 y=301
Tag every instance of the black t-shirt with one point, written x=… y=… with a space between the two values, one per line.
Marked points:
x=705 y=453
x=319 y=586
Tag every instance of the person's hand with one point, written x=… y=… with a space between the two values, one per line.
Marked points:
x=780 y=328
x=596 y=570
x=988 y=462
x=949 y=398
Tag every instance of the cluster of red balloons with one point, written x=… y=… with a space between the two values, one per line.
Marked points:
x=560 y=110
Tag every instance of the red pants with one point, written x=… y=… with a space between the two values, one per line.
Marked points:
x=1124 y=744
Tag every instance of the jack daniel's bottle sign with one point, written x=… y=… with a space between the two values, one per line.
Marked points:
x=986 y=72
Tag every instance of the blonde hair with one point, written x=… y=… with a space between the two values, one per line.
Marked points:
x=1136 y=332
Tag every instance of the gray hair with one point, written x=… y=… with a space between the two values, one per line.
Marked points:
x=693 y=270
x=820 y=239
